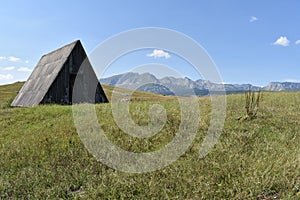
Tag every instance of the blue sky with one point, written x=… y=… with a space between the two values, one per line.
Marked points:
x=250 y=41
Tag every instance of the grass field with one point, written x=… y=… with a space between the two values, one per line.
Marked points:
x=42 y=156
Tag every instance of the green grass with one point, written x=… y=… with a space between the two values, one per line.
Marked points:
x=42 y=156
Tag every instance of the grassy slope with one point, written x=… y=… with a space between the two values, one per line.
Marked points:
x=43 y=157
x=8 y=92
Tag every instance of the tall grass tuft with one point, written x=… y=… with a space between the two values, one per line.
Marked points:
x=252 y=101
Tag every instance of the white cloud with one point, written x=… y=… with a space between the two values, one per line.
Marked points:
x=159 y=54
x=24 y=69
x=297 y=42
x=282 y=41
x=253 y=19
x=8 y=68
x=5 y=77
x=13 y=59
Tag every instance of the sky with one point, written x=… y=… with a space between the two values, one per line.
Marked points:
x=253 y=42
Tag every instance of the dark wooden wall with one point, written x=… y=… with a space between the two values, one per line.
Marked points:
x=61 y=90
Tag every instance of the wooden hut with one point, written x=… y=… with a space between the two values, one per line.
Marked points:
x=53 y=79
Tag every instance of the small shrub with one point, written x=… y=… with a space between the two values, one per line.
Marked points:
x=252 y=101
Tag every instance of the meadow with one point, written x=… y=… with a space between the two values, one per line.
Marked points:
x=42 y=156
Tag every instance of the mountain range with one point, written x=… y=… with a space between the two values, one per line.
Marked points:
x=186 y=87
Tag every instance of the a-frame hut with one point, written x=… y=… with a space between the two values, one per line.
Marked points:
x=52 y=80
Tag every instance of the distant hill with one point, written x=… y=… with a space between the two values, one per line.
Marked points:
x=156 y=88
x=282 y=86
x=186 y=87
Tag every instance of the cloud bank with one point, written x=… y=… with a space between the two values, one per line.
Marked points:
x=24 y=69
x=12 y=59
x=8 y=68
x=5 y=77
